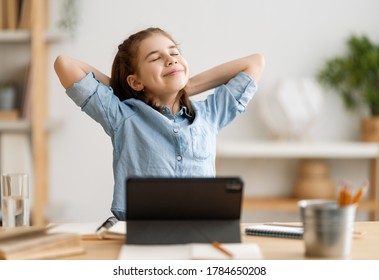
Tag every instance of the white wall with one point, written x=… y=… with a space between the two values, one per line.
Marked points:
x=295 y=36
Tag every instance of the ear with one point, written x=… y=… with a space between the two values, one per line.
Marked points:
x=134 y=83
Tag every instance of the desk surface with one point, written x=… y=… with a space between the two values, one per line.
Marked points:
x=364 y=247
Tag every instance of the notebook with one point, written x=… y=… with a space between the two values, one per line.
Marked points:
x=275 y=231
x=183 y=210
x=31 y=243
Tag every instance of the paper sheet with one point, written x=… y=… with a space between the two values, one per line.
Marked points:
x=246 y=251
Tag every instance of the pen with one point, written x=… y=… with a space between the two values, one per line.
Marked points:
x=219 y=247
x=276 y=224
x=106 y=225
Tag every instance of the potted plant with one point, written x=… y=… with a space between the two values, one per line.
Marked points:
x=8 y=96
x=355 y=77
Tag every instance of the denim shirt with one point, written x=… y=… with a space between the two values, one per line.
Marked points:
x=149 y=143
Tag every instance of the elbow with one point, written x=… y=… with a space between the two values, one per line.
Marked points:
x=64 y=68
x=261 y=62
x=59 y=63
x=255 y=66
x=257 y=62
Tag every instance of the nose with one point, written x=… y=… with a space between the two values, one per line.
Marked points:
x=171 y=61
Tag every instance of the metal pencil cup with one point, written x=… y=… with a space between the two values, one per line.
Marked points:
x=328 y=228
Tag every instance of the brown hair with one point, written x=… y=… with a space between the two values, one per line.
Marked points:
x=125 y=64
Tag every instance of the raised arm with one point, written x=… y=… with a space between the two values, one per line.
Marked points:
x=252 y=65
x=71 y=71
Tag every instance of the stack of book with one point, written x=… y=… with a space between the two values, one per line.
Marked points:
x=15 y=17
x=36 y=243
x=15 y=14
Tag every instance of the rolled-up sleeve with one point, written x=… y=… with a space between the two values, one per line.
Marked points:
x=81 y=91
x=243 y=88
x=99 y=102
x=222 y=106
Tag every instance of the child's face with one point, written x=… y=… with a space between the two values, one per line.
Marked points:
x=161 y=70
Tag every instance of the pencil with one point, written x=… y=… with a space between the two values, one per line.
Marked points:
x=347 y=196
x=219 y=247
x=344 y=197
x=360 y=193
x=341 y=197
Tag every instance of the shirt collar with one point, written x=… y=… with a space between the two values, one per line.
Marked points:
x=182 y=114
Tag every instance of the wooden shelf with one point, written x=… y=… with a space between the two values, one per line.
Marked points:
x=25 y=36
x=15 y=126
x=304 y=150
x=19 y=36
x=249 y=149
x=290 y=204
x=36 y=39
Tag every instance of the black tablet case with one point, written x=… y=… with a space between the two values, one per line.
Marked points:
x=183 y=210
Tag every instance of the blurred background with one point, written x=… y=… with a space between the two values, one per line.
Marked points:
x=296 y=38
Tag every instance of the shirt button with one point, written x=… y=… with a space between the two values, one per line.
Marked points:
x=176 y=130
x=179 y=158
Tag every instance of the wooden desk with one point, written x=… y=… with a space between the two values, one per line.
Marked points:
x=364 y=247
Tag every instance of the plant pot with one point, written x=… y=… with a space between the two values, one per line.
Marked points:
x=314 y=181
x=8 y=98
x=370 y=129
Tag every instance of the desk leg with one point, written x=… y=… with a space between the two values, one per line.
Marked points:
x=374 y=189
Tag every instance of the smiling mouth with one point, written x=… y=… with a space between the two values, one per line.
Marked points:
x=173 y=72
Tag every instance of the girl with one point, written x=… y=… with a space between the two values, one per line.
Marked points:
x=145 y=109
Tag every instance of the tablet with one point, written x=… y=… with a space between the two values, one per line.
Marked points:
x=184 y=198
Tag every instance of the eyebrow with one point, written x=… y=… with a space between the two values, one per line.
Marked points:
x=154 y=52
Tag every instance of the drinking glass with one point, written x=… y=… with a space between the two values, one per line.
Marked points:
x=15 y=206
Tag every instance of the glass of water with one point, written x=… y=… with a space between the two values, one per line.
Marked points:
x=15 y=206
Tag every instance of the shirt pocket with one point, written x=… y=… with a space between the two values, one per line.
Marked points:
x=201 y=146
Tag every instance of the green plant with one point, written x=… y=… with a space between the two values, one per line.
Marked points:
x=5 y=84
x=69 y=16
x=356 y=75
